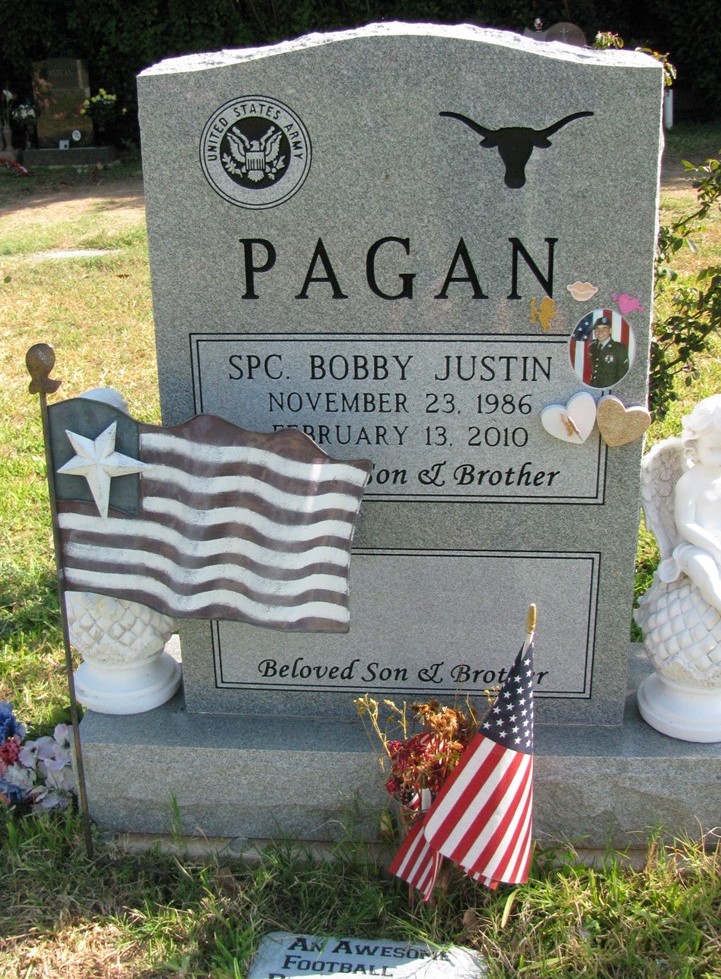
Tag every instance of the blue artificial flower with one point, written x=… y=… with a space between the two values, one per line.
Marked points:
x=13 y=793
x=8 y=725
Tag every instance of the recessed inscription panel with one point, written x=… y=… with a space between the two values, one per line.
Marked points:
x=421 y=645
x=453 y=417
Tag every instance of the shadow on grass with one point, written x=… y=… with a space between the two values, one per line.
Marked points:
x=168 y=915
x=163 y=915
x=45 y=185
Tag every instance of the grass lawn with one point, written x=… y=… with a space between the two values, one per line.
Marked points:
x=120 y=915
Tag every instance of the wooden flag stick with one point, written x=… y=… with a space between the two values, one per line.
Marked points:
x=40 y=360
x=531 y=619
x=530 y=626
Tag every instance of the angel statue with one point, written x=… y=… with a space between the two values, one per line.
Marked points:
x=680 y=614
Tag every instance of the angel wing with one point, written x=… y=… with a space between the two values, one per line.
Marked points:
x=239 y=144
x=661 y=469
x=271 y=144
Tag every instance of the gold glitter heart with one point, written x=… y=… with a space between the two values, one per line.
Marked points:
x=618 y=424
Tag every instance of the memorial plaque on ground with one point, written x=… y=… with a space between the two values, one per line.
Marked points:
x=286 y=955
x=408 y=241
x=60 y=86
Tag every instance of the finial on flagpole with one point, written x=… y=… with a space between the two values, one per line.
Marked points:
x=40 y=360
x=531 y=619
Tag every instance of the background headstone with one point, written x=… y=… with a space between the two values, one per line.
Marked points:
x=60 y=86
x=332 y=249
x=563 y=31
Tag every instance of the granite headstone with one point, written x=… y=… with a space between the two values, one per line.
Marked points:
x=346 y=170
x=407 y=241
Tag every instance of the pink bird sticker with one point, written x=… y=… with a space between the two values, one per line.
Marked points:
x=626 y=303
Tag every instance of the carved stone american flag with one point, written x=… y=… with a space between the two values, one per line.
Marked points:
x=204 y=520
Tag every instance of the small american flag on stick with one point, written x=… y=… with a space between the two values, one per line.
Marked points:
x=204 y=520
x=482 y=817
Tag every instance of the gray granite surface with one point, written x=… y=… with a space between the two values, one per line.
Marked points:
x=262 y=778
x=330 y=249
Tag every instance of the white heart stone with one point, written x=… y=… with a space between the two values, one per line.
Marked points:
x=572 y=422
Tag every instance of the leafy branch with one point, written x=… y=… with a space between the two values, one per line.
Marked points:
x=695 y=309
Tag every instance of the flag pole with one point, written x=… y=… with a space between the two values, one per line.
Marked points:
x=40 y=360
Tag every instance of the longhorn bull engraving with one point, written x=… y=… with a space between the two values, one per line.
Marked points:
x=516 y=143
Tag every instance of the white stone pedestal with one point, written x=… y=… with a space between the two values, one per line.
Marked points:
x=688 y=713
x=132 y=689
x=126 y=666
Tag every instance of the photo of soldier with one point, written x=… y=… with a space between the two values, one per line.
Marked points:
x=609 y=357
x=601 y=348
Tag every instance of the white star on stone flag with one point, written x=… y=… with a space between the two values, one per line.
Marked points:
x=98 y=462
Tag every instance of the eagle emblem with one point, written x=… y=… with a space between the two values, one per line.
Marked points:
x=255 y=151
x=254 y=159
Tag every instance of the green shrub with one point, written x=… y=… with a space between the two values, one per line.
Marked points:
x=118 y=40
x=693 y=33
x=696 y=308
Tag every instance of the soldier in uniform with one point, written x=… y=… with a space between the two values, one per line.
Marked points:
x=608 y=357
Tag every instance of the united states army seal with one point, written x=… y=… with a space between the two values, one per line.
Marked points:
x=255 y=152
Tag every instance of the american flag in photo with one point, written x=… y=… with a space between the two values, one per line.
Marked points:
x=204 y=520
x=482 y=817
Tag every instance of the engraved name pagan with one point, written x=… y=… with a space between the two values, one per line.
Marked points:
x=386 y=269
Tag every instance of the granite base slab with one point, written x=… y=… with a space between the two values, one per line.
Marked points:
x=79 y=156
x=219 y=775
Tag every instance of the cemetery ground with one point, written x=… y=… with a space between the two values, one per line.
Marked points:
x=172 y=912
